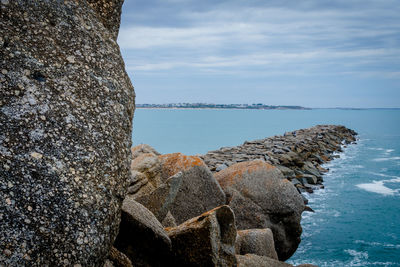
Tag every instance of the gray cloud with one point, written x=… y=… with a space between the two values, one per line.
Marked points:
x=359 y=39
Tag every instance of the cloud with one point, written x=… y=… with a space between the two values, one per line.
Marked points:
x=250 y=36
x=262 y=39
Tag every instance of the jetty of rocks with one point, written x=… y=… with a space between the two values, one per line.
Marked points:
x=297 y=154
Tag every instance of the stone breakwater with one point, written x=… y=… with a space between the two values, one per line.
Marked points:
x=298 y=154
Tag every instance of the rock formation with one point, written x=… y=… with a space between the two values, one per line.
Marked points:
x=66 y=107
x=261 y=198
x=141 y=236
x=175 y=184
x=256 y=241
x=206 y=240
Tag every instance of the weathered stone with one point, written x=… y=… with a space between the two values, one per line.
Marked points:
x=256 y=241
x=119 y=259
x=309 y=168
x=206 y=240
x=157 y=168
x=252 y=260
x=66 y=107
x=310 y=179
x=150 y=165
x=176 y=162
x=261 y=198
x=143 y=149
x=286 y=171
x=169 y=220
x=185 y=195
x=141 y=236
x=139 y=184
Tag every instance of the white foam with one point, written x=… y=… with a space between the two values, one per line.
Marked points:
x=359 y=257
x=383 y=175
x=386 y=159
x=377 y=244
x=378 y=187
x=376 y=148
x=394 y=180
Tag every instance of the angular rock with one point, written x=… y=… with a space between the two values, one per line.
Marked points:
x=206 y=240
x=139 y=184
x=185 y=195
x=143 y=149
x=309 y=168
x=261 y=198
x=141 y=236
x=66 y=108
x=169 y=220
x=252 y=260
x=157 y=168
x=176 y=162
x=149 y=165
x=119 y=259
x=310 y=179
x=256 y=241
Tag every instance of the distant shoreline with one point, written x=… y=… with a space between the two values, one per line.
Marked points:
x=214 y=108
x=217 y=106
x=227 y=108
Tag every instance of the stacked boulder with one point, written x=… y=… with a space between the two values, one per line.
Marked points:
x=174 y=187
x=176 y=206
x=261 y=198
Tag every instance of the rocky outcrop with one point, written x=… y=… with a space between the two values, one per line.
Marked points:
x=256 y=241
x=185 y=195
x=298 y=154
x=157 y=168
x=175 y=184
x=261 y=198
x=66 y=107
x=141 y=236
x=206 y=240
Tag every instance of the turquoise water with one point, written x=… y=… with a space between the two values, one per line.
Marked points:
x=357 y=217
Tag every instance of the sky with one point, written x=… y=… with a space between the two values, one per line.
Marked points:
x=312 y=53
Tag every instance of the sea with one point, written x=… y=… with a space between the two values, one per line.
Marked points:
x=357 y=216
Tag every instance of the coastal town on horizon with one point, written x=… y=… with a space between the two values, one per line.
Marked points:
x=218 y=106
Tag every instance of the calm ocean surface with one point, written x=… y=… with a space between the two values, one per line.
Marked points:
x=357 y=216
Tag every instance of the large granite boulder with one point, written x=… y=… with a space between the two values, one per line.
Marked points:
x=66 y=107
x=256 y=241
x=206 y=240
x=262 y=198
x=141 y=236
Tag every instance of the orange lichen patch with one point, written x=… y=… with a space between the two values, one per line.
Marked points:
x=234 y=173
x=176 y=162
